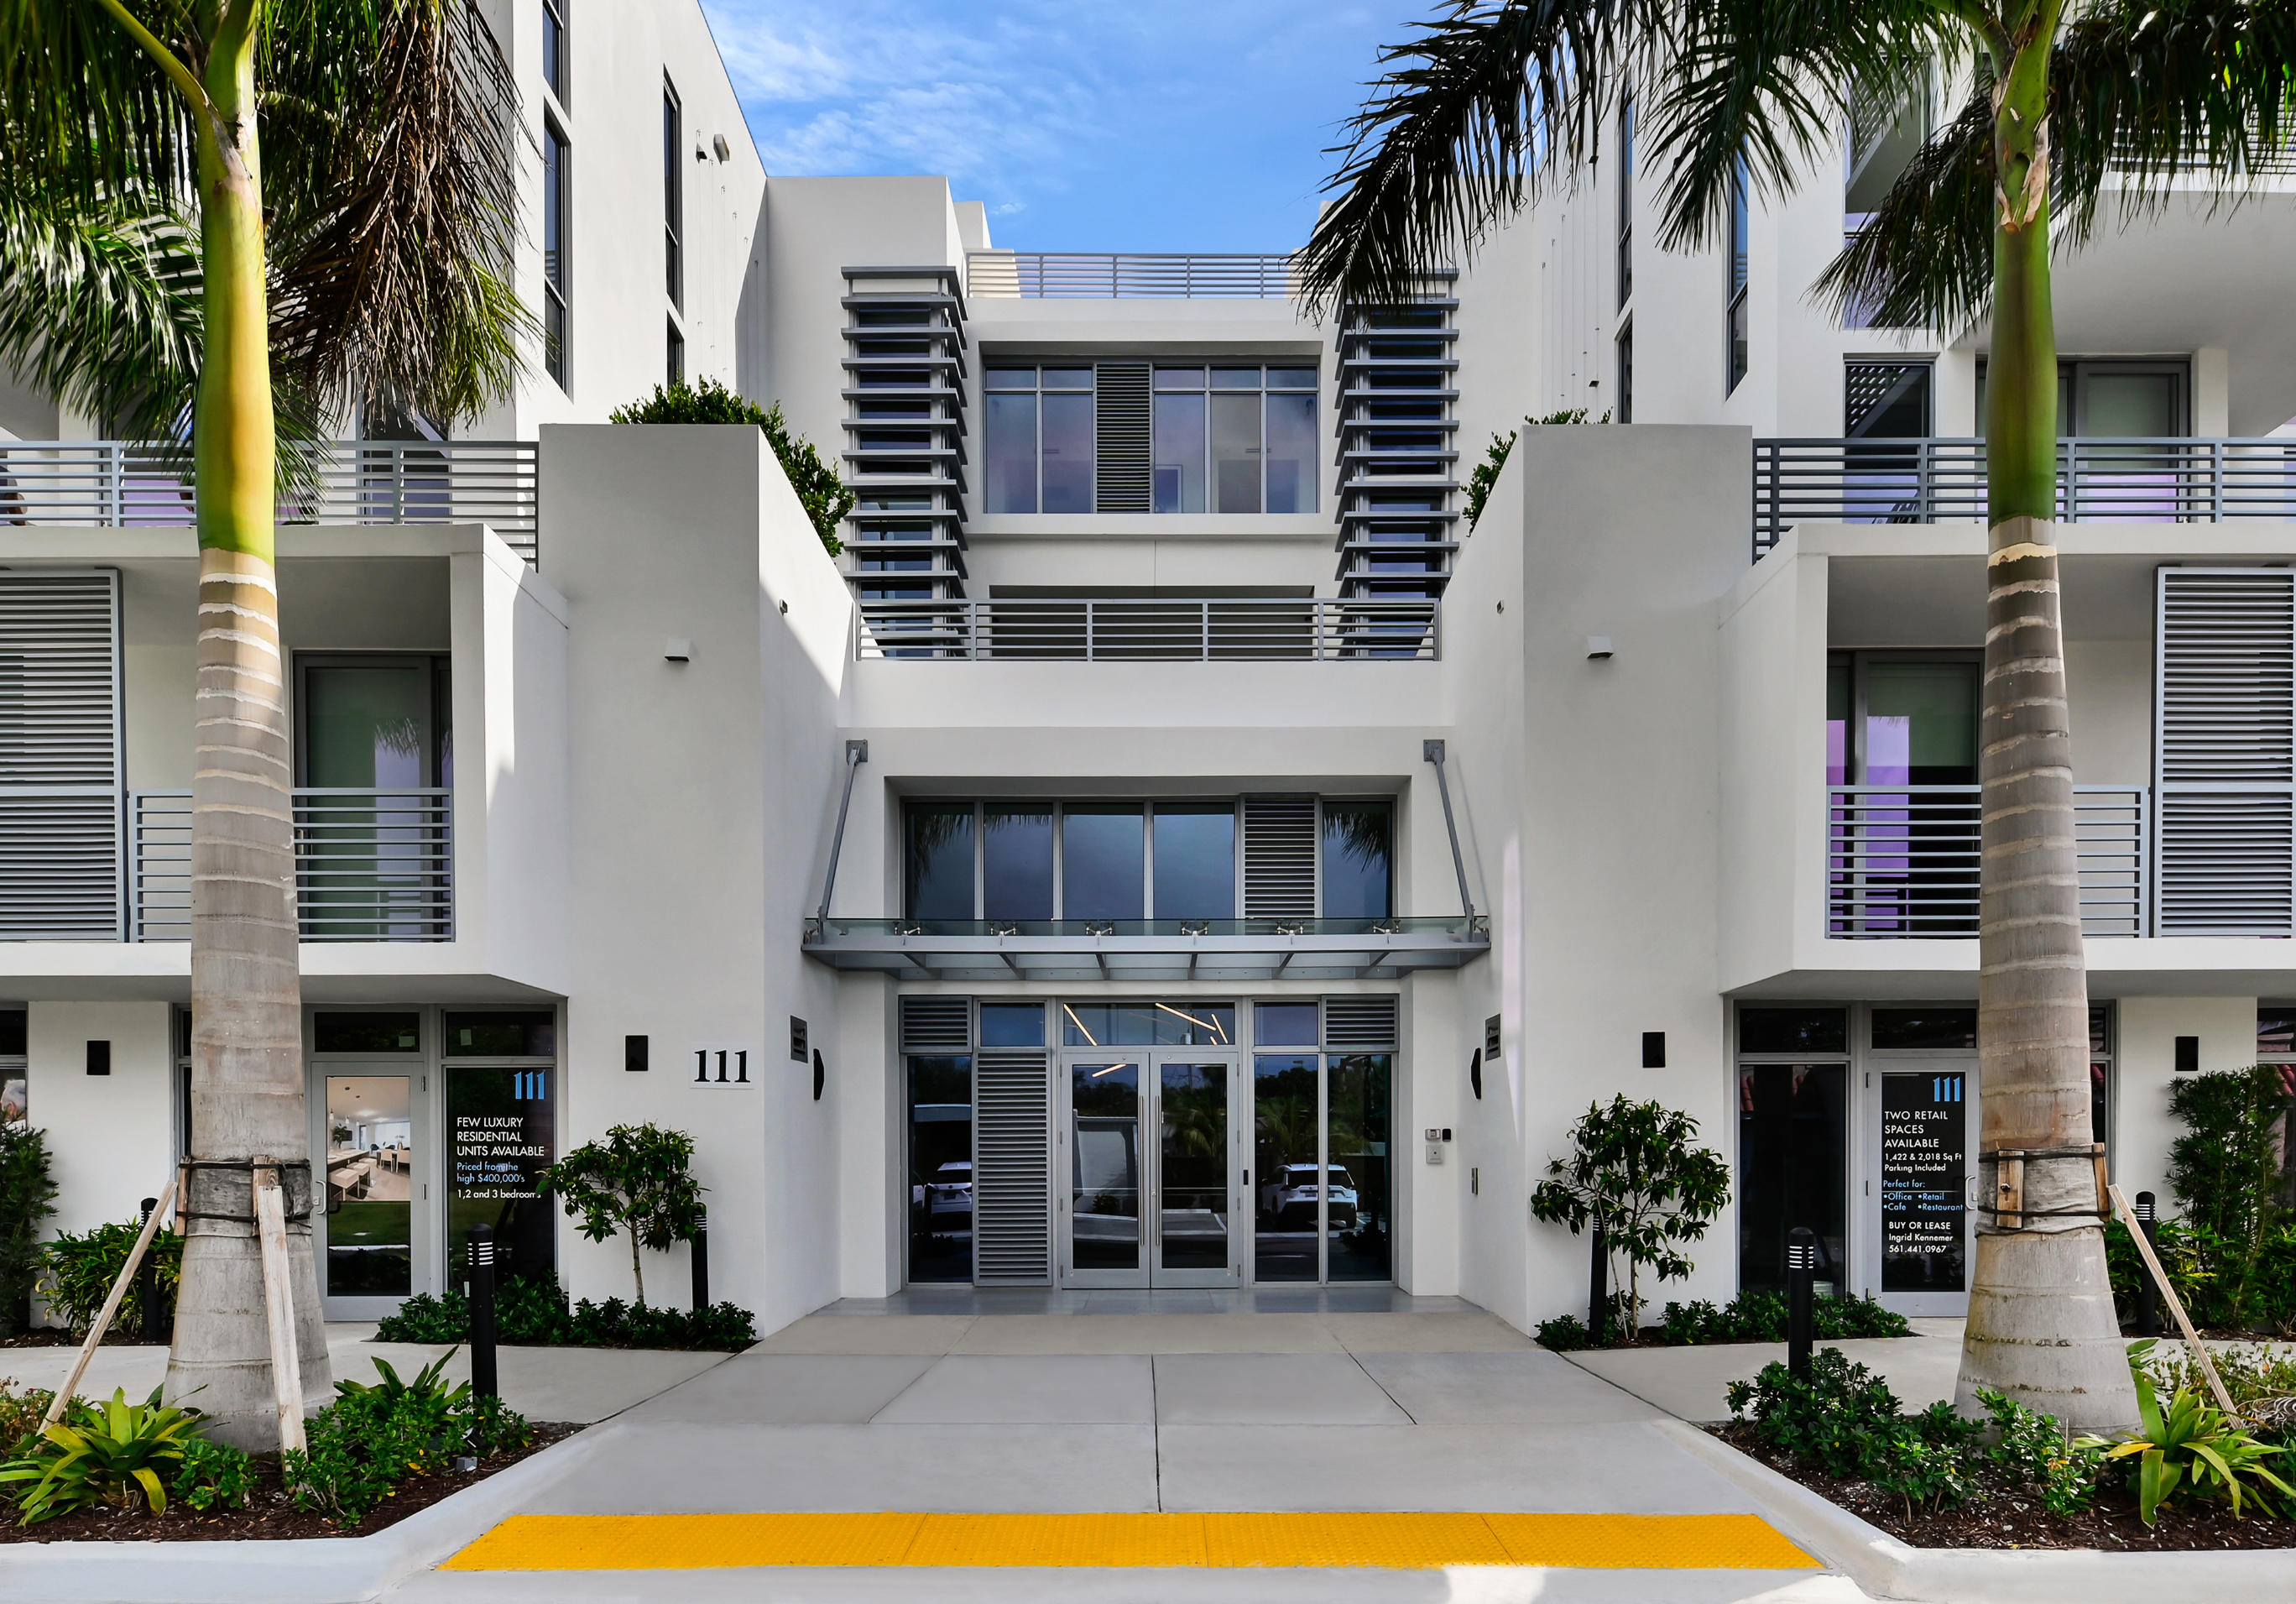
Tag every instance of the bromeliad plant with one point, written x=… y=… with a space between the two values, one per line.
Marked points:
x=1633 y=1168
x=2189 y=1446
x=103 y=1453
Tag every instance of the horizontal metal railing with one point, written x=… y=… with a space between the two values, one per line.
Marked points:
x=1902 y=860
x=1227 y=629
x=1455 y=925
x=2125 y=478
x=114 y=483
x=371 y=865
x=1116 y=275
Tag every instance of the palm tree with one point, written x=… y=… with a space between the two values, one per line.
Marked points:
x=155 y=272
x=2071 y=103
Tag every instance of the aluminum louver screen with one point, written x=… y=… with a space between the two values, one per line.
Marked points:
x=60 y=800
x=1279 y=856
x=1012 y=1169
x=1359 y=1024
x=2224 y=766
x=1121 y=427
x=936 y=1024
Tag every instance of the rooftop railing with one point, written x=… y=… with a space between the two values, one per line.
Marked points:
x=1227 y=629
x=1902 y=860
x=1084 y=275
x=116 y=484
x=2119 y=479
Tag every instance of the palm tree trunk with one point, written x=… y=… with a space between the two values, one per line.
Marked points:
x=246 y=1057
x=2041 y=1323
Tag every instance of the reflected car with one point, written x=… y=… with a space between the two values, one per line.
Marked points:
x=947 y=1196
x=1289 y=1197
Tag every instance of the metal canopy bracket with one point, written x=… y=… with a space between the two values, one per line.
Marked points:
x=1432 y=751
x=856 y=752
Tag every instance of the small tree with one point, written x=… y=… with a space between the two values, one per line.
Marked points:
x=1632 y=1167
x=635 y=1180
x=27 y=1196
x=2226 y=1170
x=819 y=490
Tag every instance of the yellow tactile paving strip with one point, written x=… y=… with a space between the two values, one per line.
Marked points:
x=1382 y=1540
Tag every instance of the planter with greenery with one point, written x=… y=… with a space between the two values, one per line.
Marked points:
x=28 y=1195
x=820 y=491
x=1750 y=1317
x=537 y=1313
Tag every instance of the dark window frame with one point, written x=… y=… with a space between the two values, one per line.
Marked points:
x=672 y=193
x=557 y=254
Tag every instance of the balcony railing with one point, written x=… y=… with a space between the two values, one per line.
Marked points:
x=1902 y=860
x=1183 y=950
x=370 y=865
x=113 y=483
x=2122 y=479
x=1077 y=276
x=1231 y=630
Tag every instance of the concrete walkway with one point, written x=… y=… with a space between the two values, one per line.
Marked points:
x=1060 y=1407
x=576 y=1385
x=1693 y=1383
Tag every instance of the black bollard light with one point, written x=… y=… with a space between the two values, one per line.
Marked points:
x=1598 y=1290
x=2148 y=1304
x=1802 y=1273
x=147 y=1284
x=701 y=1260
x=483 y=1381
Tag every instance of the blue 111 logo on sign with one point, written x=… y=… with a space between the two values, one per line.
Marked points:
x=722 y=1064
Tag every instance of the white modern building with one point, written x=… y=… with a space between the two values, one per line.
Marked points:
x=1167 y=847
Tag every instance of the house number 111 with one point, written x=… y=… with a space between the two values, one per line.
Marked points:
x=722 y=1064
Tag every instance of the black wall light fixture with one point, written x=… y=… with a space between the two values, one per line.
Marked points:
x=820 y=1074
x=99 y=1057
x=2188 y=1056
x=1475 y=1074
x=1653 y=1049
x=633 y=1053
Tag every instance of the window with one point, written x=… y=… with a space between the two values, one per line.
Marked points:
x=1625 y=404
x=1903 y=814
x=674 y=358
x=2141 y=400
x=501 y=1132
x=941 y=1168
x=1734 y=317
x=1626 y=201
x=555 y=248
x=1902 y=719
x=1793 y=1080
x=553 y=47
x=2275 y=1044
x=673 y=196
x=1218 y=439
x=1039 y=440
x=1358 y=871
x=14 y=1075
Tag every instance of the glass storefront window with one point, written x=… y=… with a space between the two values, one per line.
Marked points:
x=1284 y=1167
x=1794 y=1030
x=501 y=1035
x=1359 y=1193
x=1286 y=1024
x=499 y=1139
x=1011 y=1025
x=370 y=1190
x=366 y=1033
x=1929 y=1029
x=941 y=1168
x=1792 y=1130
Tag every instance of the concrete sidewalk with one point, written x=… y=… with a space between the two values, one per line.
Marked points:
x=574 y=1385
x=1693 y=1383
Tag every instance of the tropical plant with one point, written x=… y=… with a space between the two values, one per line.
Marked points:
x=428 y=1386
x=80 y=1268
x=1761 y=1317
x=1632 y=1169
x=1490 y=106
x=102 y=1453
x=636 y=1180
x=2189 y=1445
x=1485 y=476
x=213 y=1476
x=2259 y=1380
x=820 y=491
x=27 y=1196
x=375 y=1438
x=2226 y=1171
x=157 y=270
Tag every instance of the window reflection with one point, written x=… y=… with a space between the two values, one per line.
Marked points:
x=1791 y=1157
x=939 y=862
x=1284 y=1167
x=1358 y=1226
x=370 y=1207
x=1102 y=865
x=1016 y=860
x=941 y=1169
x=1195 y=860
x=1358 y=853
x=1104 y=1183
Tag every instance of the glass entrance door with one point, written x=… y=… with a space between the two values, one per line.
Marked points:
x=1150 y=1152
x=376 y=1226
x=1920 y=1149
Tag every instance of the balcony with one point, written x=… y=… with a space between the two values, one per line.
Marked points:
x=115 y=484
x=370 y=866
x=1159 y=950
x=1902 y=860
x=2129 y=481
x=1228 y=629
x=1095 y=275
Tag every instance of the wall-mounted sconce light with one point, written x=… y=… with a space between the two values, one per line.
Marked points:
x=820 y=1074
x=1598 y=647
x=678 y=649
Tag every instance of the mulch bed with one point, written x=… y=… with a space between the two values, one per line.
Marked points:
x=268 y=1514
x=56 y=1336
x=2006 y=1521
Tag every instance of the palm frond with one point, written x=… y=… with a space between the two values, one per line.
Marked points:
x=1924 y=260
x=1471 y=116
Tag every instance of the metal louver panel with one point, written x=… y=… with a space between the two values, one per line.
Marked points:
x=1279 y=856
x=930 y=1024
x=1121 y=425
x=60 y=795
x=2225 y=758
x=1359 y=1024
x=1012 y=1169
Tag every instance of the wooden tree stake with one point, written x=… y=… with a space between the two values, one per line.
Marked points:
x=2176 y=1304
x=279 y=1304
x=62 y=1400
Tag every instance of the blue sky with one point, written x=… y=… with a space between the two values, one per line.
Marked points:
x=1094 y=125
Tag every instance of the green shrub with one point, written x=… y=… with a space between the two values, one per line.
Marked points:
x=537 y=1312
x=824 y=495
x=425 y=1317
x=1485 y=476
x=2226 y=1171
x=377 y=1436
x=27 y=1197
x=214 y=1475
x=2186 y=1448
x=111 y=1452
x=1761 y=1317
x=20 y=1414
x=1564 y=1333
x=80 y=1270
x=2035 y=1450
x=1632 y=1169
x=639 y=1181
x=2179 y=1247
